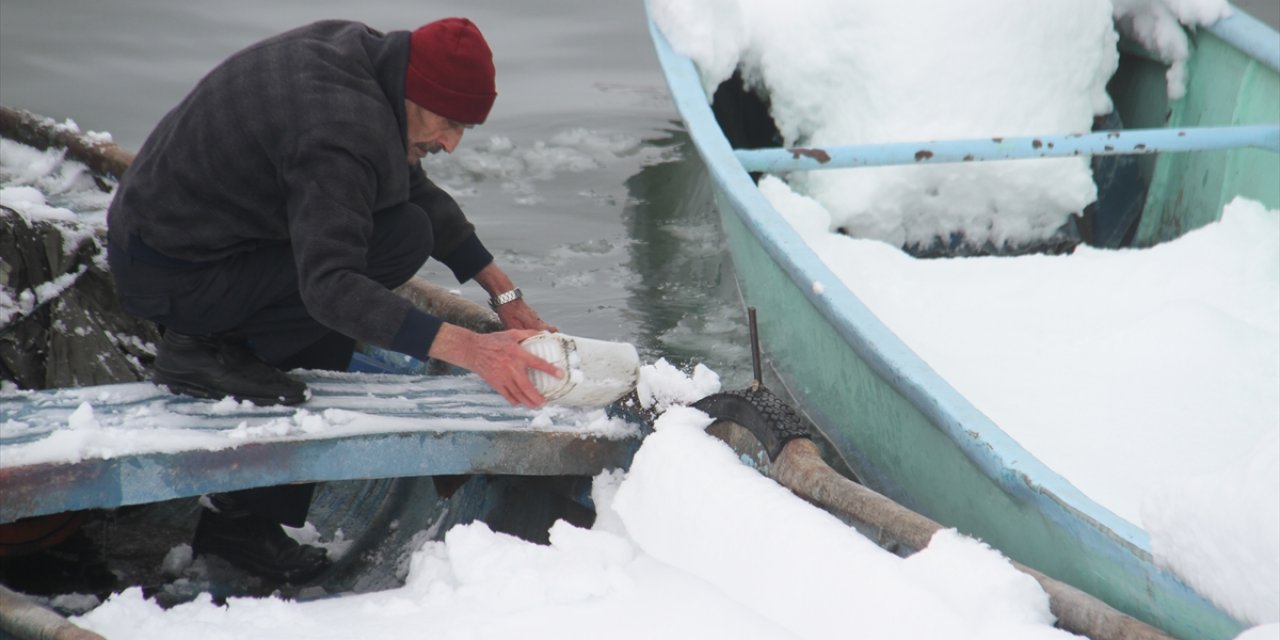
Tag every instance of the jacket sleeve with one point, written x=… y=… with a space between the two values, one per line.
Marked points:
x=456 y=243
x=330 y=190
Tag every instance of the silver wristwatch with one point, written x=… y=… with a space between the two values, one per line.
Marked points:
x=503 y=298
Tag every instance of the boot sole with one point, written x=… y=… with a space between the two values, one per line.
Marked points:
x=265 y=570
x=187 y=388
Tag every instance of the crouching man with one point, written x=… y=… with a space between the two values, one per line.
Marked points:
x=269 y=215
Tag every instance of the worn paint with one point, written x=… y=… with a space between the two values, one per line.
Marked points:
x=1265 y=137
x=822 y=157
x=450 y=425
x=139 y=479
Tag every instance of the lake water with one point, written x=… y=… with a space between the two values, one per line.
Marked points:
x=579 y=182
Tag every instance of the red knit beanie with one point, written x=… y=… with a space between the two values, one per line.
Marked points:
x=451 y=71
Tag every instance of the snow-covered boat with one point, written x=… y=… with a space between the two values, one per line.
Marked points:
x=895 y=422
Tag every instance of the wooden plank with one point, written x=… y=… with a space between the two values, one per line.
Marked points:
x=116 y=445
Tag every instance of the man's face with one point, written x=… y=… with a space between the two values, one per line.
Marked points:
x=429 y=133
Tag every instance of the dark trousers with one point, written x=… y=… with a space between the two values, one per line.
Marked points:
x=255 y=295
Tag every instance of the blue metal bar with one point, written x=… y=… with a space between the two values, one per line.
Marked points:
x=1251 y=36
x=1102 y=143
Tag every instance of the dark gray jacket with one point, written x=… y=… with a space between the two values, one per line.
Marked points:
x=298 y=138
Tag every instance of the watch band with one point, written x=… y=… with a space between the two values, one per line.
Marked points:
x=503 y=298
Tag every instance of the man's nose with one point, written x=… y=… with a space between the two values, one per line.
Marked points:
x=450 y=140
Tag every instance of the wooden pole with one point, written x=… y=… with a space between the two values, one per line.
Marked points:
x=801 y=468
x=103 y=158
x=22 y=618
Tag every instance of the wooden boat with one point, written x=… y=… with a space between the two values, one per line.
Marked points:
x=900 y=427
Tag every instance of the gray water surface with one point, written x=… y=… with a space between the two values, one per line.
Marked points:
x=577 y=181
x=582 y=182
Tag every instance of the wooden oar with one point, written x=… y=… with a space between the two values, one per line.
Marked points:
x=103 y=158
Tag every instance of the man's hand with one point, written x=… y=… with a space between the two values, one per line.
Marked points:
x=519 y=315
x=498 y=358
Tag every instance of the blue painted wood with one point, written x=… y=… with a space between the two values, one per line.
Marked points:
x=1102 y=143
x=355 y=426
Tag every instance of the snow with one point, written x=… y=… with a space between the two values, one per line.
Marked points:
x=1160 y=341
x=1189 y=516
x=44 y=185
x=661 y=385
x=140 y=418
x=30 y=201
x=762 y=538
x=688 y=543
x=867 y=71
x=1158 y=25
x=872 y=72
x=1137 y=352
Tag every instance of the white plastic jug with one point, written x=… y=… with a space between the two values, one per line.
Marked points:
x=597 y=372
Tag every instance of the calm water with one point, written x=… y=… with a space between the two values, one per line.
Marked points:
x=578 y=182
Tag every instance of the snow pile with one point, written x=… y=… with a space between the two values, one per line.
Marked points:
x=1158 y=25
x=69 y=425
x=865 y=71
x=759 y=545
x=874 y=72
x=30 y=203
x=1169 y=356
x=1220 y=531
x=19 y=304
x=662 y=386
x=689 y=544
x=44 y=185
x=1156 y=344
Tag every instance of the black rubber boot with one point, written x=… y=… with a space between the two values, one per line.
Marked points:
x=220 y=366
x=259 y=546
